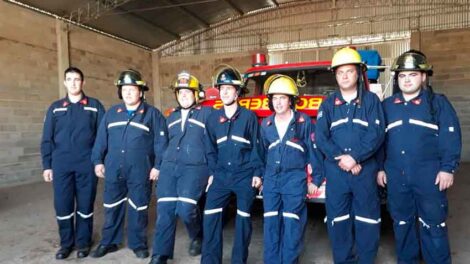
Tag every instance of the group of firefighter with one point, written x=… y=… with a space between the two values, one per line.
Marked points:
x=410 y=143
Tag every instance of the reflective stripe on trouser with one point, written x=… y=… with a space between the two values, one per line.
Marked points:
x=217 y=198
x=178 y=194
x=346 y=197
x=421 y=203
x=285 y=217
x=75 y=228
x=118 y=196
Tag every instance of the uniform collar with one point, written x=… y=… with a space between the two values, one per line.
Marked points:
x=223 y=118
x=399 y=99
x=298 y=118
x=140 y=110
x=66 y=101
x=339 y=100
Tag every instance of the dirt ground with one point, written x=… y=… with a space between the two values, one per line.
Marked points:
x=29 y=232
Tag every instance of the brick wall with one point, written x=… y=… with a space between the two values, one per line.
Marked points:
x=102 y=59
x=449 y=52
x=29 y=82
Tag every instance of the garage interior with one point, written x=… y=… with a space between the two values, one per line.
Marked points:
x=39 y=39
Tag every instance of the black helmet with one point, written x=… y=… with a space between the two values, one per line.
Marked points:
x=227 y=75
x=130 y=77
x=412 y=60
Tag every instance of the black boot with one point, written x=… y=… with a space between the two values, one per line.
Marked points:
x=141 y=253
x=63 y=253
x=83 y=252
x=102 y=250
x=195 y=247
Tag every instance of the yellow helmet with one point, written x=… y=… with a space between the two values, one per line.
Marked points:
x=346 y=56
x=184 y=80
x=280 y=84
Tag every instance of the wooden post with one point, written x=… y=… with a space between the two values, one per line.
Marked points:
x=156 y=80
x=63 y=55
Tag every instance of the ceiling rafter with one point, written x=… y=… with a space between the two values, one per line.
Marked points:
x=275 y=3
x=166 y=30
x=94 y=9
x=234 y=7
x=190 y=13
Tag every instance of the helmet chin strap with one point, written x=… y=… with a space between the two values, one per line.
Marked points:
x=231 y=103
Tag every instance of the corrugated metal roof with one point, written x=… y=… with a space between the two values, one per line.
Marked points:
x=151 y=23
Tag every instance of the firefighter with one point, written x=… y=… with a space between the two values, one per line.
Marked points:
x=127 y=154
x=184 y=171
x=235 y=164
x=422 y=153
x=287 y=142
x=350 y=130
x=69 y=132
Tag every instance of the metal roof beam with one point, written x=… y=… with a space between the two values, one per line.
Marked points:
x=234 y=7
x=190 y=13
x=166 y=30
x=94 y=9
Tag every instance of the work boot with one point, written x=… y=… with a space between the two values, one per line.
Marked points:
x=63 y=253
x=102 y=250
x=195 y=247
x=83 y=252
x=141 y=253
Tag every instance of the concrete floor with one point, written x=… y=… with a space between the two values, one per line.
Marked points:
x=29 y=232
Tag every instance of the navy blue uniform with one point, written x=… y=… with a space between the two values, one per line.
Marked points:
x=183 y=177
x=357 y=129
x=420 y=142
x=285 y=186
x=129 y=147
x=234 y=158
x=68 y=138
